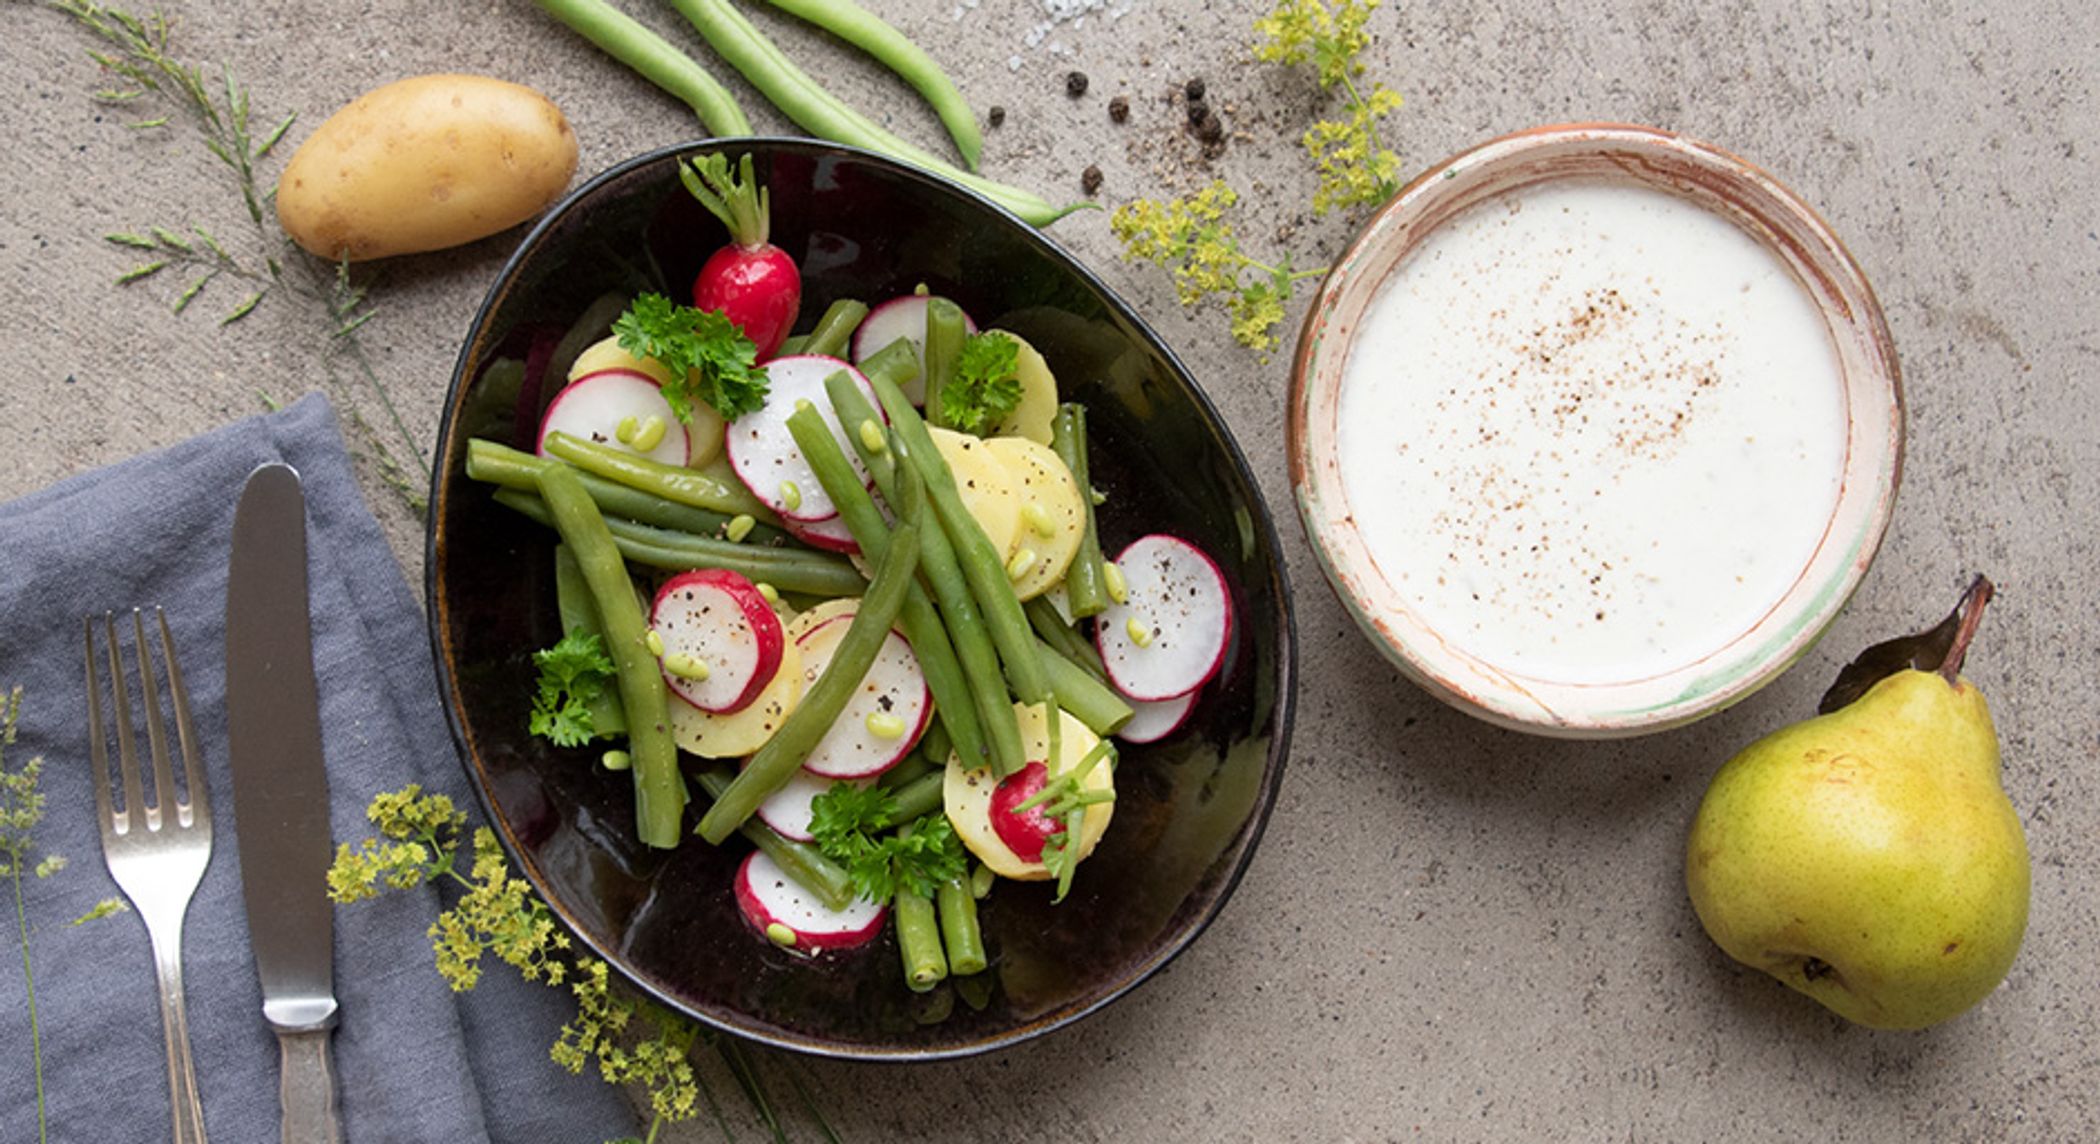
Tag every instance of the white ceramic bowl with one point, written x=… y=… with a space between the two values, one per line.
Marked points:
x=1605 y=702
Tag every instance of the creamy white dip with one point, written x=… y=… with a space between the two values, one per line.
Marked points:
x=1591 y=432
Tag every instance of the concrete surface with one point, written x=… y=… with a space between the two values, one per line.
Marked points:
x=1451 y=932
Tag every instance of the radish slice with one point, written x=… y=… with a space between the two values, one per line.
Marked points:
x=717 y=618
x=1155 y=720
x=893 y=692
x=768 y=897
x=593 y=406
x=1169 y=634
x=763 y=452
x=787 y=810
x=900 y=317
x=830 y=534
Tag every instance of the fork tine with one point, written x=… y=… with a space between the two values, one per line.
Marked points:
x=164 y=800
x=198 y=803
x=98 y=750
x=127 y=745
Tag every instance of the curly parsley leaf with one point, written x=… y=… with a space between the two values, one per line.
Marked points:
x=850 y=824
x=572 y=673
x=986 y=386
x=708 y=356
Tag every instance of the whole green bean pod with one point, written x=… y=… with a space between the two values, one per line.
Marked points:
x=509 y=468
x=914 y=765
x=894 y=50
x=944 y=339
x=686 y=486
x=787 y=569
x=1048 y=624
x=1084 y=586
x=1091 y=701
x=579 y=613
x=937 y=563
x=834 y=331
x=960 y=932
x=801 y=861
x=654 y=59
x=659 y=790
x=824 y=115
x=922 y=624
x=920 y=797
x=782 y=756
x=919 y=941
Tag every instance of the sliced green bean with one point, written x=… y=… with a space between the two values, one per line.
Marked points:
x=920 y=797
x=965 y=623
x=824 y=115
x=787 y=569
x=782 y=756
x=802 y=861
x=834 y=331
x=1052 y=628
x=659 y=790
x=654 y=59
x=912 y=766
x=919 y=941
x=579 y=613
x=944 y=338
x=1084 y=587
x=922 y=625
x=686 y=486
x=936 y=746
x=510 y=468
x=1091 y=701
x=792 y=345
x=981 y=880
x=959 y=929
x=895 y=51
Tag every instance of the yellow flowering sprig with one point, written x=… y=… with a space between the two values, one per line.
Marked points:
x=1355 y=166
x=1191 y=238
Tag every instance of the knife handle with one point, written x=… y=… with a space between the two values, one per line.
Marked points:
x=306 y=1088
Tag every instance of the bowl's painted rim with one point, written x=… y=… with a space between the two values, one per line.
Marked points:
x=1715 y=180
x=1279 y=587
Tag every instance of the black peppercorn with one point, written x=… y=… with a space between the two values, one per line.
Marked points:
x=995 y=115
x=1118 y=109
x=1194 y=90
x=1209 y=129
x=1075 y=84
x=1090 y=180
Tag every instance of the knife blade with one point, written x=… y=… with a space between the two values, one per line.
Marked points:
x=280 y=792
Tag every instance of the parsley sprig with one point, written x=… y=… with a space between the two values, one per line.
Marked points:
x=852 y=827
x=573 y=673
x=986 y=386
x=708 y=356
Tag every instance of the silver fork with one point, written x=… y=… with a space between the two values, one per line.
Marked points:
x=157 y=851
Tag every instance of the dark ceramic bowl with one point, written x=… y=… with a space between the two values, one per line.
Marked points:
x=1189 y=809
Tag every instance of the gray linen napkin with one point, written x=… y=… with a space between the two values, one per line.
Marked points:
x=416 y=1062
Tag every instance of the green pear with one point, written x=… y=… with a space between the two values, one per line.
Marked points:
x=1869 y=857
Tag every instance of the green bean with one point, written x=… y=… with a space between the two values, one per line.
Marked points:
x=671 y=482
x=655 y=60
x=659 y=790
x=801 y=861
x=792 y=345
x=509 y=468
x=981 y=880
x=912 y=766
x=824 y=115
x=579 y=613
x=1052 y=628
x=944 y=338
x=922 y=625
x=936 y=746
x=864 y=30
x=1084 y=586
x=981 y=565
x=919 y=941
x=959 y=929
x=787 y=569
x=783 y=754
x=965 y=623
x=920 y=797
x=834 y=331
x=1091 y=701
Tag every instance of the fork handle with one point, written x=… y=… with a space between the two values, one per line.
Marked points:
x=306 y=1087
x=175 y=1028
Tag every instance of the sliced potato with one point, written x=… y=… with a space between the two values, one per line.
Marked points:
x=1053 y=517
x=967 y=793
x=1037 y=409
x=987 y=490
x=703 y=433
x=819 y=615
x=741 y=732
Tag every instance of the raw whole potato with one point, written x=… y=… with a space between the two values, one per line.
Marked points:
x=423 y=164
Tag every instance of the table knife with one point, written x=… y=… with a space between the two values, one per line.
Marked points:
x=280 y=793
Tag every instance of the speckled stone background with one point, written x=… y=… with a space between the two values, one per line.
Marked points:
x=1450 y=932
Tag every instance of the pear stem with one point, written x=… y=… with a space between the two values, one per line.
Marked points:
x=1971 y=612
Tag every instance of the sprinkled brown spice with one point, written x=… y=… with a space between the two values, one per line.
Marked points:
x=1118 y=109
x=1194 y=90
x=1075 y=84
x=1090 y=179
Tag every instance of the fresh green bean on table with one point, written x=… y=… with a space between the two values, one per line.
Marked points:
x=654 y=59
x=786 y=569
x=866 y=31
x=659 y=789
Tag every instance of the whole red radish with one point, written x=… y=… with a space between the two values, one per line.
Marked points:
x=751 y=282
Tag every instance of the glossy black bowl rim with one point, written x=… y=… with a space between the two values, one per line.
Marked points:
x=1285 y=631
